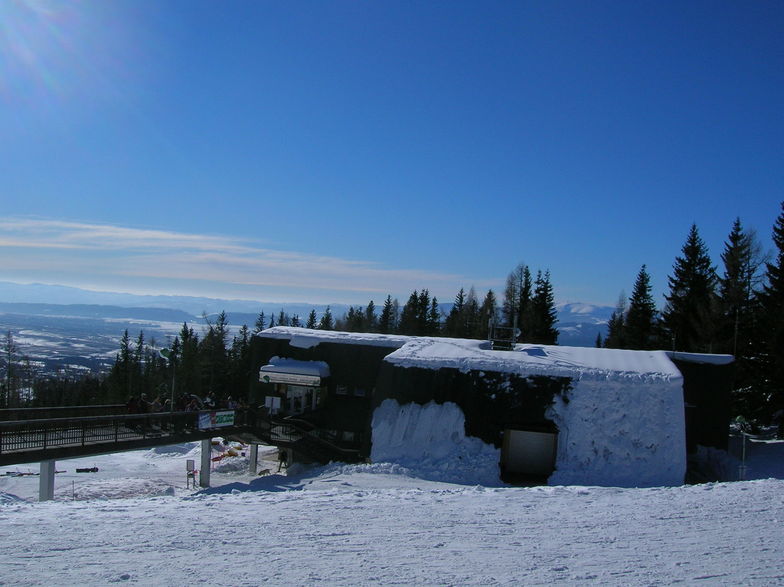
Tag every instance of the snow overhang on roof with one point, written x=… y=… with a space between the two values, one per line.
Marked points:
x=306 y=338
x=294 y=372
x=703 y=358
x=531 y=359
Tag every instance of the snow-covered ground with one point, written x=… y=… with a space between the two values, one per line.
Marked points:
x=134 y=521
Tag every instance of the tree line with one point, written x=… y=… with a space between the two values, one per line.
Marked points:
x=737 y=310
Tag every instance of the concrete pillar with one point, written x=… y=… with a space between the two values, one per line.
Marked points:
x=254 y=459
x=206 y=462
x=46 y=481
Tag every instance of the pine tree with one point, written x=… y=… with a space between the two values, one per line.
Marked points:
x=260 y=322
x=771 y=328
x=470 y=323
x=454 y=324
x=544 y=316
x=295 y=321
x=312 y=321
x=433 y=318
x=408 y=315
x=371 y=320
x=690 y=309
x=640 y=326
x=487 y=315
x=385 y=322
x=742 y=260
x=326 y=322
x=616 y=331
x=525 y=306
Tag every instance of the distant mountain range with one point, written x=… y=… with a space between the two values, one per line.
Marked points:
x=60 y=327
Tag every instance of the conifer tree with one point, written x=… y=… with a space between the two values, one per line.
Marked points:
x=640 y=326
x=295 y=321
x=260 y=322
x=409 y=314
x=616 y=338
x=487 y=315
x=742 y=259
x=543 y=314
x=371 y=320
x=454 y=324
x=326 y=322
x=312 y=322
x=771 y=328
x=690 y=309
x=524 y=304
x=470 y=323
x=385 y=322
x=433 y=318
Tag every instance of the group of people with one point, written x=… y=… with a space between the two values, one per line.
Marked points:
x=185 y=402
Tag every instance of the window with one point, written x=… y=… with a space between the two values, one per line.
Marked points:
x=341 y=390
x=359 y=392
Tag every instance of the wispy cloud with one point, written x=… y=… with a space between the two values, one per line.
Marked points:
x=136 y=260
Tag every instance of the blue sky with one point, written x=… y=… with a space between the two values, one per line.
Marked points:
x=340 y=151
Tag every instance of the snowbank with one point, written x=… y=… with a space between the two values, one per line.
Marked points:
x=615 y=434
x=430 y=441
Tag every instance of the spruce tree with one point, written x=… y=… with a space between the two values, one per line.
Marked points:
x=409 y=314
x=312 y=322
x=616 y=325
x=385 y=322
x=260 y=322
x=487 y=315
x=371 y=320
x=326 y=322
x=741 y=258
x=433 y=318
x=640 y=325
x=470 y=323
x=454 y=323
x=690 y=309
x=543 y=314
x=771 y=329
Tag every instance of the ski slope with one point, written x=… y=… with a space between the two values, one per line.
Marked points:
x=135 y=522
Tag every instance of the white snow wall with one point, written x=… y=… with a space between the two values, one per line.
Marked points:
x=430 y=440
x=620 y=433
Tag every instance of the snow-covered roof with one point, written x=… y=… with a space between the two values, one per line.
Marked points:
x=533 y=359
x=701 y=358
x=306 y=338
x=283 y=365
x=476 y=355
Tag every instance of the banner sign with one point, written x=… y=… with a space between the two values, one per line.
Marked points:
x=209 y=420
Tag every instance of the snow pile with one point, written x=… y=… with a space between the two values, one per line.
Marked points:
x=115 y=489
x=615 y=434
x=430 y=441
x=9 y=498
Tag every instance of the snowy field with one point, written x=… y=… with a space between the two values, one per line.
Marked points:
x=134 y=521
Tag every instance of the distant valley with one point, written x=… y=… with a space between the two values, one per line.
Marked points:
x=74 y=337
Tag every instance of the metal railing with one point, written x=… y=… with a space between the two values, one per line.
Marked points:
x=18 y=437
